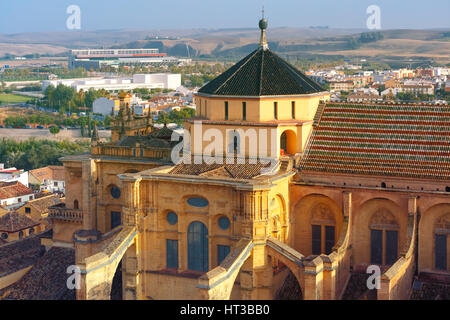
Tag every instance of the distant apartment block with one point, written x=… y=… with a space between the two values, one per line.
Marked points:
x=345 y=85
x=96 y=58
x=364 y=97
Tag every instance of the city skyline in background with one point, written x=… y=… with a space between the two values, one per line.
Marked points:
x=51 y=15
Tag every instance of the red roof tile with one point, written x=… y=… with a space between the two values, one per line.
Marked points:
x=14 y=222
x=50 y=172
x=13 y=189
x=380 y=139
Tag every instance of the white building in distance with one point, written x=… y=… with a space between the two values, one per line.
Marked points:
x=148 y=81
x=105 y=105
x=13 y=174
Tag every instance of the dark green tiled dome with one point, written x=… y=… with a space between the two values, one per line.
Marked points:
x=261 y=73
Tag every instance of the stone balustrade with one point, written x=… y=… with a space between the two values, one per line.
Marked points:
x=131 y=152
x=60 y=212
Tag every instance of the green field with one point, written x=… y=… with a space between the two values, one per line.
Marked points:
x=7 y=98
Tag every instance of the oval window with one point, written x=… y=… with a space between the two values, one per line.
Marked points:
x=4 y=235
x=224 y=223
x=198 y=202
x=115 y=192
x=172 y=218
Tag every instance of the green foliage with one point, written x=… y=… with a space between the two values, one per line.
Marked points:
x=367 y=37
x=46 y=119
x=64 y=99
x=409 y=96
x=41 y=73
x=176 y=116
x=353 y=44
x=54 y=130
x=32 y=154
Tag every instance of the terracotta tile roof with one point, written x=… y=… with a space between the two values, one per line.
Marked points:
x=261 y=73
x=163 y=133
x=17 y=255
x=50 y=172
x=247 y=170
x=14 y=221
x=377 y=139
x=46 y=280
x=43 y=203
x=13 y=189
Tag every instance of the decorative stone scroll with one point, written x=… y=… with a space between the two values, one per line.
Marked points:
x=322 y=214
x=383 y=219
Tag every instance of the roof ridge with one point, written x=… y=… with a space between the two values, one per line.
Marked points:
x=229 y=172
x=300 y=74
x=261 y=73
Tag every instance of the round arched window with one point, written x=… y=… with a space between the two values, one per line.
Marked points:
x=224 y=223
x=115 y=192
x=172 y=218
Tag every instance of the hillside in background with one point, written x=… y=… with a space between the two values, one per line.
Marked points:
x=293 y=43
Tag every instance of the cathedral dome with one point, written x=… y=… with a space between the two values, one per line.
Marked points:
x=261 y=73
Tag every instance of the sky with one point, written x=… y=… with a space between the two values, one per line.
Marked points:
x=19 y=16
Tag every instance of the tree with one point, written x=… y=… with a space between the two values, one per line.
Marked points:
x=54 y=130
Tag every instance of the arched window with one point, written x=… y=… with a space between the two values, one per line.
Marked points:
x=116 y=219
x=293 y=109
x=275 y=110
x=76 y=206
x=234 y=142
x=323 y=229
x=226 y=110
x=20 y=234
x=288 y=142
x=197 y=247
x=283 y=143
x=383 y=238
x=441 y=234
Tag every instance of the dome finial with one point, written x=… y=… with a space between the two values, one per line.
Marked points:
x=263 y=26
